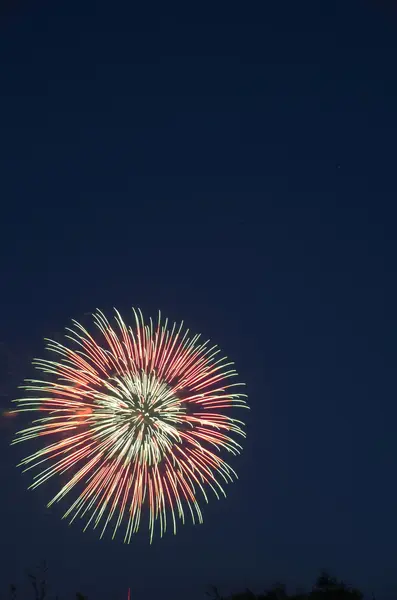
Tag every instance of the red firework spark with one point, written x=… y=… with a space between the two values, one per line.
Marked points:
x=135 y=418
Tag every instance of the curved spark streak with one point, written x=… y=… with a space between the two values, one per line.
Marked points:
x=136 y=421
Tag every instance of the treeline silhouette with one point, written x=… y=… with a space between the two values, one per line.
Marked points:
x=325 y=587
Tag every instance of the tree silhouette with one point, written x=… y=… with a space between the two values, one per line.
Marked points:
x=39 y=581
x=330 y=588
x=326 y=587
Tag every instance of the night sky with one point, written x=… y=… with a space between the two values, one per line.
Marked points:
x=235 y=167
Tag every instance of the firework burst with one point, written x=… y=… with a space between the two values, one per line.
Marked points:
x=134 y=419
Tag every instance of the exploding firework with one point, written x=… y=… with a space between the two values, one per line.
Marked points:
x=135 y=422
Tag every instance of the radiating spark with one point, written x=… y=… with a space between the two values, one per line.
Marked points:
x=133 y=422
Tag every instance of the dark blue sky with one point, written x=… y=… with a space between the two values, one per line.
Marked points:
x=234 y=167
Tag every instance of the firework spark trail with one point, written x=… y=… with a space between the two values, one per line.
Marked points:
x=140 y=413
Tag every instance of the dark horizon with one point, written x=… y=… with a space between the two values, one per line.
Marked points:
x=234 y=168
